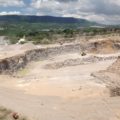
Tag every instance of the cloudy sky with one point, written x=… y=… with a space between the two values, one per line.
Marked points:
x=103 y=11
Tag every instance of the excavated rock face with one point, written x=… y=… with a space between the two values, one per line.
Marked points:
x=111 y=77
x=78 y=61
x=115 y=67
x=105 y=47
x=13 y=63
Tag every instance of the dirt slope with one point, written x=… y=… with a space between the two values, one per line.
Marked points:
x=105 y=47
x=111 y=77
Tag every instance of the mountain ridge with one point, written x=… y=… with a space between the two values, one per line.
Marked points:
x=44 y=19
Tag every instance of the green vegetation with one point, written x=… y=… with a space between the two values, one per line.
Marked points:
x=37 y=32
x=46 y=33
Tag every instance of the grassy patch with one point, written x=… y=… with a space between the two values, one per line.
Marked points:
x=23 y=72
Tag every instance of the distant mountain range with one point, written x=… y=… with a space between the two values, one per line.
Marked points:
x=45 y=19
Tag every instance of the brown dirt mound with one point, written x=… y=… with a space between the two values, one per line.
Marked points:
x=105 y=47
x=111 y=77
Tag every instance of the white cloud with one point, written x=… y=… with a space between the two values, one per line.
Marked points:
x=10 y=13
x=104 y=11
x=44 y=4
x=7 y=3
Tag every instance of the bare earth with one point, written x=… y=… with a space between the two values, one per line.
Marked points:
x=68 y=93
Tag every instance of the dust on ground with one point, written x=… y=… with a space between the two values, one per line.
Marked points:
x=66 y=93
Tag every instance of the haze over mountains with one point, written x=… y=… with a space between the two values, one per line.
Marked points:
x=45 y=19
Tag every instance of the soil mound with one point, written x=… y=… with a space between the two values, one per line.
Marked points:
x=105 y=47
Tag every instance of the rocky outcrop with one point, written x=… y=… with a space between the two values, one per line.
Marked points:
x=13 y=63
x=78 y=61
x=111 y=77
x=105 y=46
x=115 y=67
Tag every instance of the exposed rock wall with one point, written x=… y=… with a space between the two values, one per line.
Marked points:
x=105 y=47
x=13 y=63
x=115 y=67
x=111 y=77
x=78 y=61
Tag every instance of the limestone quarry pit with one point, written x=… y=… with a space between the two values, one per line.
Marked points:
x=55 y=82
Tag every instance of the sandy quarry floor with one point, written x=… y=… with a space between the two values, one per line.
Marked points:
x=68 y=93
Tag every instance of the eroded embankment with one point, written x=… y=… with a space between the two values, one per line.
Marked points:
x=111 y=77
x=105 y=46
x=88 y=59
x=13 y=63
